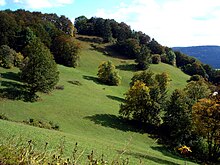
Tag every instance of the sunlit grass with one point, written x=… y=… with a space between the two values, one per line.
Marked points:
x=88 y=113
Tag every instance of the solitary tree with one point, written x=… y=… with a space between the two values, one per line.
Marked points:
x=108 y=74
x=40 y=71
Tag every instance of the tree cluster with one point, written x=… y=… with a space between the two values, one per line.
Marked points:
x=146 y=97
x=190 y=117
x=40 y=38
x=18 y=28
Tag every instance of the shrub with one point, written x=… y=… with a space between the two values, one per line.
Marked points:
x=108 y=74
x=18 y=59
x=42 y=124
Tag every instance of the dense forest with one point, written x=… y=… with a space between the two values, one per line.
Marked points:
x=206 y=54
x=36 y=43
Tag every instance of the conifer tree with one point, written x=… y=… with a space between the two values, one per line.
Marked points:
x=40 y=71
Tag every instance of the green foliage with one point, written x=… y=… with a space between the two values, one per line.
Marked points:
x=152 y=104
x=18 y=59
x=156 y=59
x=145 y=77
x=155 y=47
x=108 y=74
x=143 y=58
x=177 y=118
x=197 y=90
x=129 y=48
x=81 y=24
x=195 y=78
x=171 y=57
x=137 y=104
x=7 y=56
x=8 y=29
x=163 y=80
x=40 y=72
x=66 y=51
x=194 y=68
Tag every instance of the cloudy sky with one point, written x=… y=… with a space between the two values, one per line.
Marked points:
x=170 y=22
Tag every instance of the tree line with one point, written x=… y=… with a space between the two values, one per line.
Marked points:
x=35 y=42
x=139 y=46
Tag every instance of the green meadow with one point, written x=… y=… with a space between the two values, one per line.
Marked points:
x=87 y=111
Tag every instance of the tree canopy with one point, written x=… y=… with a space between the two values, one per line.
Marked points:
x=40 y=71
x=108 y=74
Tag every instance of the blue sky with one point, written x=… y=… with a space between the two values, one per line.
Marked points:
x=170 y=22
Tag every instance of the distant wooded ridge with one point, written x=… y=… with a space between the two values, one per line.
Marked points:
x=206 y=54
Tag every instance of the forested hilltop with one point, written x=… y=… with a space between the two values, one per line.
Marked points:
x=143 y=48
x=207 y=54
x=100 y=83
x=19 y=27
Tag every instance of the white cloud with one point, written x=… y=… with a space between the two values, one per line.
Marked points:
x=37 y=4
x=2 y=2
x=172 y=22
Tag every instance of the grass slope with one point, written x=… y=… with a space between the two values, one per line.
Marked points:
x=87 y=113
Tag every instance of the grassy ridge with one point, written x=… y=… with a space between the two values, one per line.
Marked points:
x=88 y=113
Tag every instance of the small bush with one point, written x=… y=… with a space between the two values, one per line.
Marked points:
x=42 y=124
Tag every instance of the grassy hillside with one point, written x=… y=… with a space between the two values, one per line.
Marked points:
x=86 y=111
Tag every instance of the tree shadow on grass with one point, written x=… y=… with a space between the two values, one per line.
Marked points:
x=112 y=121
x=10 y=76
x=91 y=78
x=15 y=91
x=127 y=67
x=166 y=152
x=149 y=157
x=121 y=100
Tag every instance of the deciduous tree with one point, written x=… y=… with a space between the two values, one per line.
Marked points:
x=143 y=58
x=108 y=74
x=7 y=56
x=206 y=118
x=138 y=104
x=66 y=51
